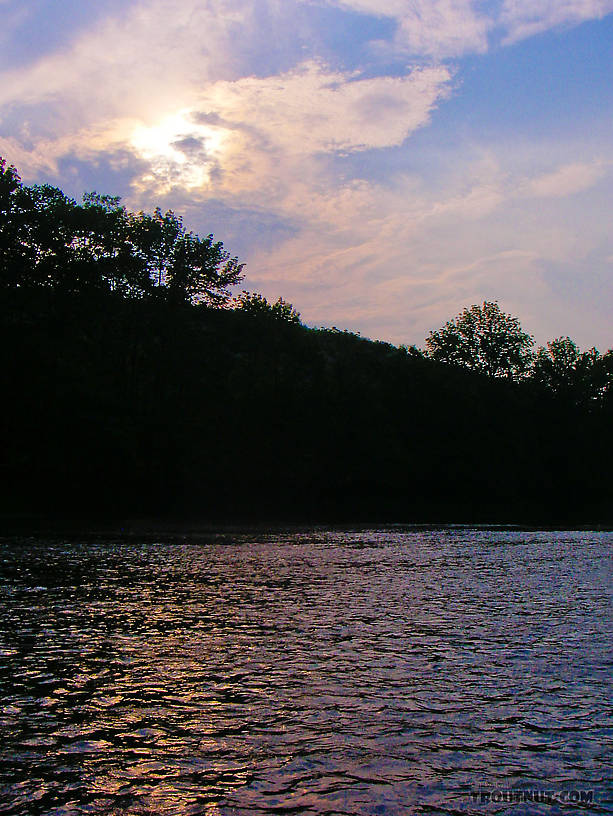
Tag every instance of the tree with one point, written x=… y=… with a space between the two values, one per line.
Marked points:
x=582 y=377
x=483 y=338
x=257 y=305
x=9 y=185
x=48 y=240
x=182 y=265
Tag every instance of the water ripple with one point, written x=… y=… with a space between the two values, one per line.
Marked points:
x=332 y=672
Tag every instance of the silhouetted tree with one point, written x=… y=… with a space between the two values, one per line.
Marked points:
x=483 y=338
x=13 y=258
x=257 y=305
x=50 y=241
x=562 y=368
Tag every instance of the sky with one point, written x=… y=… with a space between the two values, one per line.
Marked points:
x=381 y=164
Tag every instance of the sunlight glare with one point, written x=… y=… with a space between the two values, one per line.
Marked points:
x=180 y=150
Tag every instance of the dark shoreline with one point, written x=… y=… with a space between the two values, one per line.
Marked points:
x=130 y=413
x=152 y=529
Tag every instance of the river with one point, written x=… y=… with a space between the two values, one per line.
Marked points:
x=393 y=671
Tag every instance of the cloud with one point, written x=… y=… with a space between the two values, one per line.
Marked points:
x=567 y=180
x=157 y=47
x=443 y=29
x=432 y=28
x=311 y=110
x=398 y=259
x=280 y=153
x=525 y=18
x=238 y=135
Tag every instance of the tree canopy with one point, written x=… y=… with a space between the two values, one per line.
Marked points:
x=256 y=305
x=49 y=240
x=483 y=338
x=582 y=377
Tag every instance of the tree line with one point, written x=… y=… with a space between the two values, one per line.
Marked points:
x=484 y=338
x=48 y=240
x=136 y=382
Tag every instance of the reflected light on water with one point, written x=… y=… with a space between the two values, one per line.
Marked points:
x=372 y=672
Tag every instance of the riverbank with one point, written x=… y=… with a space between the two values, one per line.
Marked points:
x=151 y=528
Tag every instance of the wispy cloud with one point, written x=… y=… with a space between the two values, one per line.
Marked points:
x=198 y=106
x=567 y=180
x=158 y=47
x=265 y=135
x=450 y=28
x=443 y=28
x=226 y=134
x=311 y=109
x=396 y=261
x=433 y=28
x=525 y=18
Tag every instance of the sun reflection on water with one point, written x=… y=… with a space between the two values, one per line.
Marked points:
x=337 y=673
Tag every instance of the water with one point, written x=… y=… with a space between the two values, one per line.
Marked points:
x=369 y=672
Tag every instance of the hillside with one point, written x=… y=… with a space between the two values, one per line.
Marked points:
x=117 y=406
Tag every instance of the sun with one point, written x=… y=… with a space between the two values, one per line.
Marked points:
x=179 y=149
